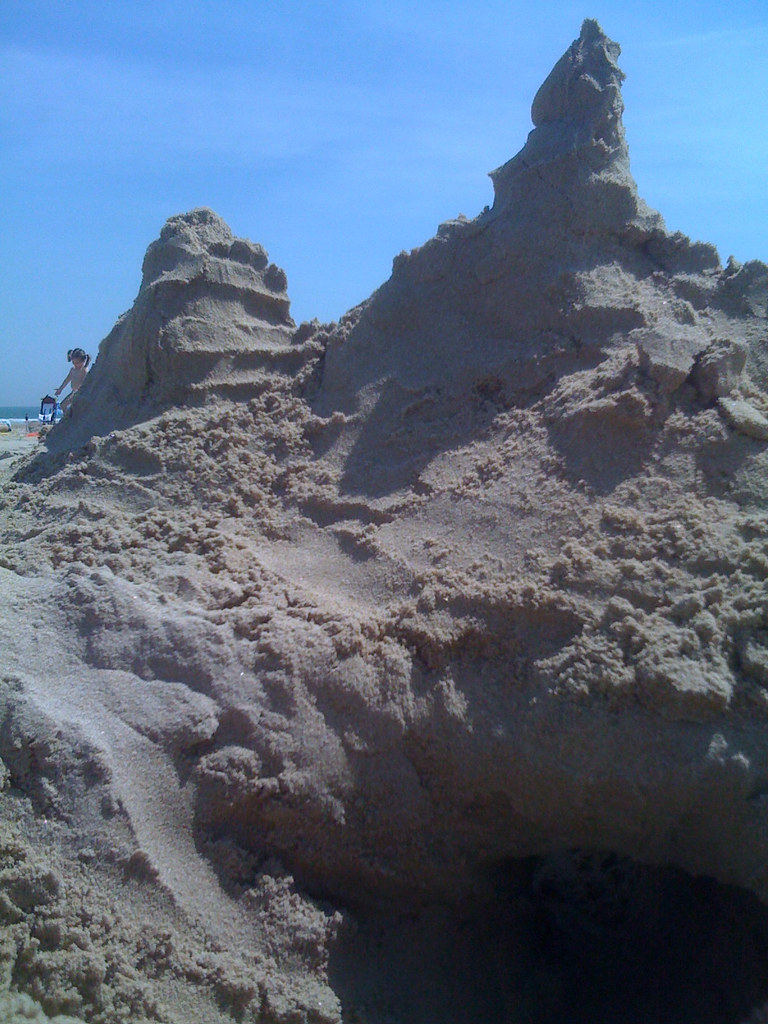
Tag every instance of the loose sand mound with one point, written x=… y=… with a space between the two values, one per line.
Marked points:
x=412 y=668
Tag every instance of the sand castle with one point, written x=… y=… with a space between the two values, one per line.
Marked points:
x=413 y=667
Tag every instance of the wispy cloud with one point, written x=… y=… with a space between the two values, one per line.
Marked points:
x=75 y=109
x=749 y=37
x=86 y=110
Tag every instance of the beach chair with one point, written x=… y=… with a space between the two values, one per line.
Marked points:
x=47 y=412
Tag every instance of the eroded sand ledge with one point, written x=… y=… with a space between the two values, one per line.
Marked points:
x=412 y=667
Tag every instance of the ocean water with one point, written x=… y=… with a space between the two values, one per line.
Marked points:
x=18 y=412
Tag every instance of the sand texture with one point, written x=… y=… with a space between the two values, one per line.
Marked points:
x=411 y=668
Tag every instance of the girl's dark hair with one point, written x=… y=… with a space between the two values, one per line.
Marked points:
x=78 y=353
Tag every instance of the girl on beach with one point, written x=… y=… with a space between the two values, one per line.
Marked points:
x=76 y=375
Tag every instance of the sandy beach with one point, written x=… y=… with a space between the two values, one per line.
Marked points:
x=13 y=445
x=409 y=668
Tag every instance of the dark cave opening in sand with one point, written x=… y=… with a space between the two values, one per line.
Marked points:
x=577 y=936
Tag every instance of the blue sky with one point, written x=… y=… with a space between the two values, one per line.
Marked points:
x=335 y=133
